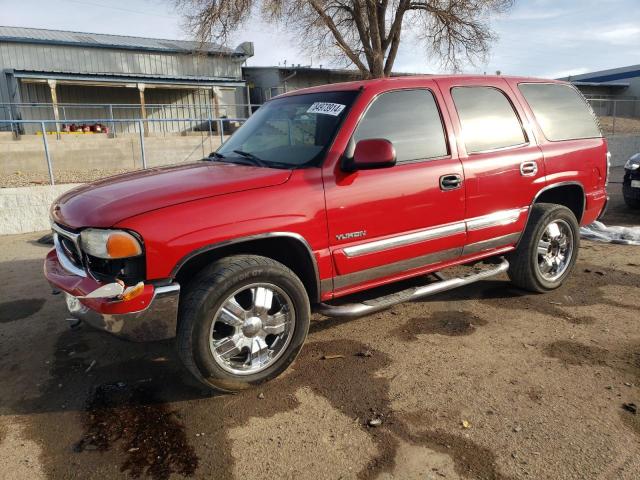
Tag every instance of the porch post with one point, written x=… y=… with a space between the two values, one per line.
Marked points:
x=54 y=102
x=216 y=102
x=143 y=108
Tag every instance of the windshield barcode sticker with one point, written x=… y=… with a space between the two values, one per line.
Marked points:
x=326 y=108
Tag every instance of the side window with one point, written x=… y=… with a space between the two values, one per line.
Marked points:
x=410 y=119
x=487 y=118
x=560 y=110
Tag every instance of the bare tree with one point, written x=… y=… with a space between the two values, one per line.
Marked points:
x=367 y=33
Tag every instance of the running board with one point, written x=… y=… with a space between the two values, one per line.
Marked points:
x=386 y=301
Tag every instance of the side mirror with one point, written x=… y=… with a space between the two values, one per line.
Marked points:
x=370 y=154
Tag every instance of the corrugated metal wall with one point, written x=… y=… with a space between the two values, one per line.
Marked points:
x=71 y=59
x=106 y=61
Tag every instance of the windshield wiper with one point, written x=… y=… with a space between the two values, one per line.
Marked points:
x=264 y=163
x=253 y=160
x=257 y=160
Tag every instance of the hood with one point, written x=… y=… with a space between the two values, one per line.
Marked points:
x=111 y=200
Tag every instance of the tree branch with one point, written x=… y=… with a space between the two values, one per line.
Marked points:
x=338 y=36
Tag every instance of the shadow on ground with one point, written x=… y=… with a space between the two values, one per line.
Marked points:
x=111 y=402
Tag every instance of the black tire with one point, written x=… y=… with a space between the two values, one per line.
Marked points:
x=205 y=296
x=632 y=202
x=523 y=262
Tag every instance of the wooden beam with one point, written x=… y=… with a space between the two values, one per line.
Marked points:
x=54 y=102
x=143 y=108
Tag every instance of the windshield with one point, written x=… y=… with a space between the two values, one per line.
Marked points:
x=289 y=132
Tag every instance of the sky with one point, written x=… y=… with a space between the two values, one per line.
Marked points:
x=543 y=38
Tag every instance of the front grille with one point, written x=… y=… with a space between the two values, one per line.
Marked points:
x=70 y=250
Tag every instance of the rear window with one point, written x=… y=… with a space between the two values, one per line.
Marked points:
x=487 y=119
x=561 y=112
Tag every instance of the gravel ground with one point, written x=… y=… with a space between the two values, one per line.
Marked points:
x=484 y=382
x=26 y=179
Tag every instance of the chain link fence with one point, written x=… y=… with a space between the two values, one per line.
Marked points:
x=50 y=156
x=166 y=118
x=617 y=117
x=78 y=147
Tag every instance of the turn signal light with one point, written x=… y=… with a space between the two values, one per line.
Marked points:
x=122 y=245
x=133 y=292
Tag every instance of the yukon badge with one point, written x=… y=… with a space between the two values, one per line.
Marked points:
x=347 y=236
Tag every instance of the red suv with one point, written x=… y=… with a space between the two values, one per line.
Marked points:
x=325 y=192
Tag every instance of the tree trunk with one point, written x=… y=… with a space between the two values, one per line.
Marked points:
x=376 y=67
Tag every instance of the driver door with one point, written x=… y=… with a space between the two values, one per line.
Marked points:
x=393 y=222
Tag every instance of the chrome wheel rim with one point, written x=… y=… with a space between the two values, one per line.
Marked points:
x=555 y=250
x=252 y=328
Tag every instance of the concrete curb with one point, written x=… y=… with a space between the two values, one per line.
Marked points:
x=26 y=209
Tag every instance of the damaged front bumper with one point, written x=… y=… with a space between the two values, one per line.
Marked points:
x=151 y=315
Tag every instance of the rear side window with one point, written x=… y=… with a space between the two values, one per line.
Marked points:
x=410 y=120
x=487 y=119
x=561 y=111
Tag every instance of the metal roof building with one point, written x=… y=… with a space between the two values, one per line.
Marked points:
x=613 y=83
x=266 y=82
x=612 y=93
x=61 y=68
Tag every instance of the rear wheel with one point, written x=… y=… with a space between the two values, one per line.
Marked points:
x=243 y=322
x=548 y=249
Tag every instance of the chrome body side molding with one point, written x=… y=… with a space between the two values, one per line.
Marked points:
x=502 y=217
x=499 y=218
x=407 y=239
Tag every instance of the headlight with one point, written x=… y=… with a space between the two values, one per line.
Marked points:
x=633 y=163
x=110 y=244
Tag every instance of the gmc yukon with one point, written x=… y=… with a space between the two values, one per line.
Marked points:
x=325 y=192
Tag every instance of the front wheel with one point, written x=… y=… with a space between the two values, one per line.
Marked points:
x=548 y=249
x=242 y=322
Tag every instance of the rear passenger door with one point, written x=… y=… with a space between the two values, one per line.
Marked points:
x=502 y=163
x=570 y=139
x=392 y=222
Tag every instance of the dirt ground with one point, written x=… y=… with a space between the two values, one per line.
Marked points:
x=621 y=125
x=485 y=382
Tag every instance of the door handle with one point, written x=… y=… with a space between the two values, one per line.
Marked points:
x=450 y=182
x=528 y=169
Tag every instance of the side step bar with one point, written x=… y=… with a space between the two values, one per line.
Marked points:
x=386 y=301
